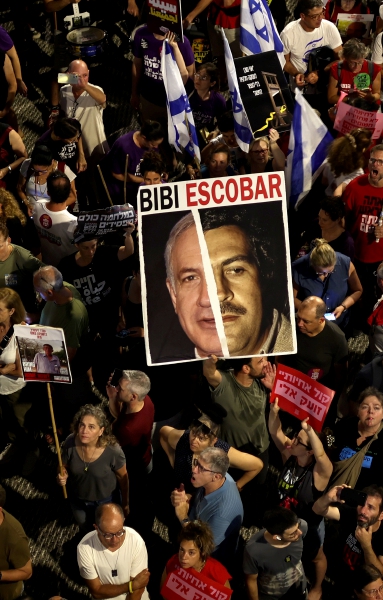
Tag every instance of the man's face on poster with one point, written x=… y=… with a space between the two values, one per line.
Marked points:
x=237 y=280
x=189 y=295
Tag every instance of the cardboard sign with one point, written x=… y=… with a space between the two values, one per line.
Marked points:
x=349 y=117
x=265 y=93
x=302 y=396
x=216 y=278
x=165 y=16
x=43 y=353
x=105 y=220
x=189 y=584
x=354 y=26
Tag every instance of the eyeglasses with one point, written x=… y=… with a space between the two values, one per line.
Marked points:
x=39 y=171
x=318 y=16
x=373 y=593
x=296 y=441
x=109 y=536
x=201 y=77
x=376 y=160
x=200 y=468
x=294 y=533
x=263 y=151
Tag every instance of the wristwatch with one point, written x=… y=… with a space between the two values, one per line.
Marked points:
x=345 y=307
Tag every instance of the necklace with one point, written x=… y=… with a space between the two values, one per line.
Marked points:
x=86 y=466
x=114 y=571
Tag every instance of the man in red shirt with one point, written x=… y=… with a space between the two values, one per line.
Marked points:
x=363 y=199
x=133 y=410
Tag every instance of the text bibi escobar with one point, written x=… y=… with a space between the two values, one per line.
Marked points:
x=209 y=191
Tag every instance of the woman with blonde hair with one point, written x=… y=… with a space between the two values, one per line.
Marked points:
x=265 y=155
x=330 y=276
x=21 y=230
x=346 y=159
x=94 y=466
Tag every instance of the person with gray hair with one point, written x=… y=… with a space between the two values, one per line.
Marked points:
x=353 y=66
x=133 y=411
x=216 y=502
x=64 y=308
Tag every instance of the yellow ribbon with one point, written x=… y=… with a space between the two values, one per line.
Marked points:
x=270 y=118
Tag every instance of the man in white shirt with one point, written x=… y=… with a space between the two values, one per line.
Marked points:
x=54 y=224
x=303 y=36
x=86 y=102
x=113 y=559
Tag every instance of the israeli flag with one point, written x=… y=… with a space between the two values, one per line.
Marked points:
x=257 y=29
x=307 y=153
x=242 y=127
x=181 y=129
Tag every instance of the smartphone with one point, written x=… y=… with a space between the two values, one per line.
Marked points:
x=123 y=333
x=330 y=316
x=353 y=497
x=71 y=78
x=117 y=374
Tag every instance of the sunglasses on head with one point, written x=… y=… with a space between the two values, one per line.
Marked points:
x=196 y=424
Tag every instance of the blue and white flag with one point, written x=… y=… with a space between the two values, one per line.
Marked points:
x=242 y=127
x=257 y=29
x=181 y=129
x=308 y=145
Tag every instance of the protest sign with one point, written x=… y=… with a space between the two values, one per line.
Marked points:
x=215 y=278
x=43 y=353
x=189 y=584
x=354 y=26
x=165 y=16
x=301 y=396
x=349 y=117
x=105 y=220
x=264 y=91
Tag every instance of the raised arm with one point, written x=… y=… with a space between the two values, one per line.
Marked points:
x=323 y=465
x=128 y=248
x=202 y=4
x=322 y=505
x=211 y=372
x=275 y=429
x=279 y=158
x=251 y=465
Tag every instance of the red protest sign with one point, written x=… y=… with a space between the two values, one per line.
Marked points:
x=189 y=584
x=301 y=396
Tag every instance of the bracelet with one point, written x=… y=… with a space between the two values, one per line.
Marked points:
x=345 y=307
x=130 y=587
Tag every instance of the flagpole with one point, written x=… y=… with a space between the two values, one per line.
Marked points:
x=57 y=444
x=105 y=186
x=125 y=175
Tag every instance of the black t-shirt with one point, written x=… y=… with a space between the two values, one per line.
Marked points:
x=62 y=152
x=317 y=355
x=99 y=283
x=351 y=552
x=297 y=490
x=346 y=434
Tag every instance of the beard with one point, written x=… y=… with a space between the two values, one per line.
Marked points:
x=368 y=523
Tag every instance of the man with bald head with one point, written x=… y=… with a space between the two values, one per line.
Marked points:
x=113 y=559
x=322 y=346
x=86 y=102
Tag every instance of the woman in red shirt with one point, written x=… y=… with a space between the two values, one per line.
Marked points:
x=352 y=7
x=354 y=74
x=196 y=544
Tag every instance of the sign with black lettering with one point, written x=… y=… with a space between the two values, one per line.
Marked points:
x=164 y=16
x=265 y=93
x=43 y=353
x=97 y=223
x=215 y=275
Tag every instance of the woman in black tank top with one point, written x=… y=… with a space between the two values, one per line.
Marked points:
x=305 y=475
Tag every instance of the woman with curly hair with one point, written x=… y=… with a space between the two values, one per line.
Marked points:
x=93 y=465
x=21 y=230
x=196 y=544
x=345 y=160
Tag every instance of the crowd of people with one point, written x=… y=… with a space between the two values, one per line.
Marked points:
x=230 y=458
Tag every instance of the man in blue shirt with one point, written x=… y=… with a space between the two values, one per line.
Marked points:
x=216 y=502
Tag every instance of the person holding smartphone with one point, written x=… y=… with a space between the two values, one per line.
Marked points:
x=360 y=538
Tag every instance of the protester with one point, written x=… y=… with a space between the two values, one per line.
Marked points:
x=8 y=88
x=196 y=545
x=375 y=320
x=343 y=74
x=218 y=162
x=21 y=229
x=367 y=582
x=12 y=153
x=8 y=47
x=64 y=140
x=184 y=447
x=152 y=168
x=93 y=466
x=225 y=124
x=305 y=476
x=353 y=7
x=329 y=275
x=265 y=154
x=32 y=186
x=206 y=102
